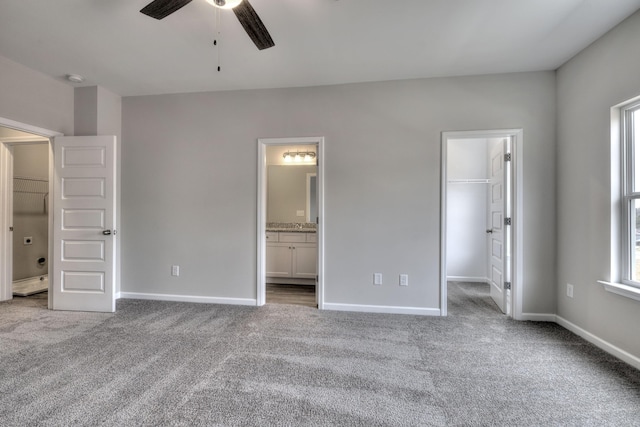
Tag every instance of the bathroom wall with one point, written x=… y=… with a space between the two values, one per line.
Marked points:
x=29 y=216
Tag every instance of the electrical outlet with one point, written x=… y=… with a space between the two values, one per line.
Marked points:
x=404 y=280
x=175 y=270
x=377 y=278
x=300 y=213
x=569 y=290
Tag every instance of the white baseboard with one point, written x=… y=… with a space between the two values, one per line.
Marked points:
x=382 y=309
x=538 y=317
x=467 y=279
x=187 y=298
x=600 y=343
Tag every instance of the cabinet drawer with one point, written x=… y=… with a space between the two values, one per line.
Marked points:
x=292 y=237
x=272 y=236
x=312 y=237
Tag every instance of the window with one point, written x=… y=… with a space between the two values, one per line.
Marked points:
x=630 y=133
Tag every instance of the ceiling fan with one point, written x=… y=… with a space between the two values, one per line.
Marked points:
x=242 y=8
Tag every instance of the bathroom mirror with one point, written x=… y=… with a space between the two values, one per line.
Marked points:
x=290 y=194
x=312 y=197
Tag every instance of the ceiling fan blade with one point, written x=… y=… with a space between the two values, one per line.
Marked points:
x=162 y=8
x=253 y=25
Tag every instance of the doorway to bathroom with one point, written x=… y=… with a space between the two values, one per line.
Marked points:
x=290 y=206
x=481 y=219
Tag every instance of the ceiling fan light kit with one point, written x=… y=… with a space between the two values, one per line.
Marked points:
x=224 y=4
x=243 y=10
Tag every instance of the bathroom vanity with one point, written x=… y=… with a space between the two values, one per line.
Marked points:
x=291 y=256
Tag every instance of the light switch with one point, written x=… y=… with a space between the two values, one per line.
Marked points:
x=175 y=270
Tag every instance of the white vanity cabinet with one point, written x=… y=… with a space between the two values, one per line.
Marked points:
x=291 y=255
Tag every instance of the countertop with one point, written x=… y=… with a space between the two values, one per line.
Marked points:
x=291 y=227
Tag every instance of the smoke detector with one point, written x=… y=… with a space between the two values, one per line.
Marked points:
x=75 y=78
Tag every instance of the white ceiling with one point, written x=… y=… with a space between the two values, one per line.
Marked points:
x=318 y=42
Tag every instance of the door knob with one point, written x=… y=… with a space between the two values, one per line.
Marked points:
x=107 y=232
x=489 y=230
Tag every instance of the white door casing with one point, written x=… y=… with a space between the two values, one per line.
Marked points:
x=514 y=261
x=263 y=143
x=84 y=226
x=6 y=186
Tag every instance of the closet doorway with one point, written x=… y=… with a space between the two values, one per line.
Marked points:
x=481 y=221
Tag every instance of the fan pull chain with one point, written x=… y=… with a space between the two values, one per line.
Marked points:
x=218 y=35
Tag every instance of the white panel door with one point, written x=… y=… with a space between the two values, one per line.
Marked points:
x=499 y=242
x=84 y=223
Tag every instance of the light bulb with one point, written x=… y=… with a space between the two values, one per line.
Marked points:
x=228 y=4
x=287 y=157
x=307 y=157
x=298 y=158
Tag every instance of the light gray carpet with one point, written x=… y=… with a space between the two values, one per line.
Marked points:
x=163 y=363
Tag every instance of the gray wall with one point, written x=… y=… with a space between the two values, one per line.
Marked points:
x=30 y=97
x=189 y=163
x=605 y=74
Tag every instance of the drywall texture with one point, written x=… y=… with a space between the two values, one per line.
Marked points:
x=35 y=99
x=30 y=210
x=603 y=75
x=189 y=168
x=467 y=209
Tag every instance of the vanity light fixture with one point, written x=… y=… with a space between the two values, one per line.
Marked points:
x=298 y=156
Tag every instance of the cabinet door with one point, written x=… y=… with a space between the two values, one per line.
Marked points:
x=304 y=261
x=278 y=260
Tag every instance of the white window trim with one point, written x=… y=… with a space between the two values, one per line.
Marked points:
x=619 y=254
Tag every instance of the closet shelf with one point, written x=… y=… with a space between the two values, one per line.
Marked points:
x=469 y=181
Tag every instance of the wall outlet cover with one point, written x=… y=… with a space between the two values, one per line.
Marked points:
x=377 y=278
x=569 y=290
x=404 y=280
x=299 y=213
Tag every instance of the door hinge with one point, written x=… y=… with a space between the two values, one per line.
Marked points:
x=507 y=157
x=507 y=286
x=507 y=221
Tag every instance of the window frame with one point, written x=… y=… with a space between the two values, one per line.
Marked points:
x=629 y=194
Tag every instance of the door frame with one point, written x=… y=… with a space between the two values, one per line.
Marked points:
x=263 y=143
x=517 y=227
x=6 y=202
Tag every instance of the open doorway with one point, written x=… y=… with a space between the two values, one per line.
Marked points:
x=481 y=221
x=290 y=222
x=25 y=236
x=30 y=219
